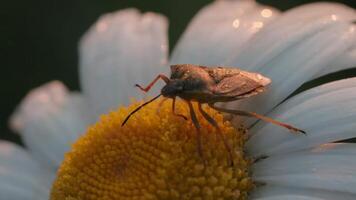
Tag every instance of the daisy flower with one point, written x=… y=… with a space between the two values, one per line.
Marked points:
x=154 y=156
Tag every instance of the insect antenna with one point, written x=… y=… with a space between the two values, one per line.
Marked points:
x=138 y=108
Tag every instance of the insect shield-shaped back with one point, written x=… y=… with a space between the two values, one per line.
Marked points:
x=178 y=71
x=234 y=85
x=264 y=81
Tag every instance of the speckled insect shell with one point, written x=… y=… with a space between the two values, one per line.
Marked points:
x=217 y=84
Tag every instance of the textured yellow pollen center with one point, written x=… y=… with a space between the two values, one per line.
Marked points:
x=154 y=156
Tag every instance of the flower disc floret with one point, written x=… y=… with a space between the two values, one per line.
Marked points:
x=154 y=156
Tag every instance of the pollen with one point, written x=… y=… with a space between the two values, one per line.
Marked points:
x=154 y=156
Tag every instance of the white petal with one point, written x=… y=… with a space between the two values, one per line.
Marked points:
x=122 y=49
x=289 y=29
x=330 y=167
x=326 y=113
x=330 y=158
x=49 y=119
x=220 y=31
x=273 y=192
x=344 y=61
x=20 y=176
x=295 y=48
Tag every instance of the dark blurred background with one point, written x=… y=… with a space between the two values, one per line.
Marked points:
x=39 y=41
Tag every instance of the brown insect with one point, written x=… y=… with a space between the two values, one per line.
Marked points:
x=208 y=85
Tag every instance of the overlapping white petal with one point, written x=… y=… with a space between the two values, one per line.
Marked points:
x=327 y=167
x=21 y=177
x=295 y=48
x=287 y=30
x=220 y=30
x=344 y=61
x=300 y=64
x=122 y=49
x=327 y=113
x=49 y=119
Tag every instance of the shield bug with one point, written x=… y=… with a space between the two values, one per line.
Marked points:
x=209 y=85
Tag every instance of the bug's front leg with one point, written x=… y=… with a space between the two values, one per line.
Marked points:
x=197 y=127
x=160 y=104
x=215 y=124
x=258 y=116
x=174 y=109
x=149 y=86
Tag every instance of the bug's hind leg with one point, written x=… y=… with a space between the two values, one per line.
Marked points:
x=197 y=127
x=215 y=124
x=255 y=115
x=149 y=86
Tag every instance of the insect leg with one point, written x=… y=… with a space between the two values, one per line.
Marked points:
x=215 y=124
x=148 y=87
x=160 y=104
x=197 y=127
x=255 y=115
x=174 y=109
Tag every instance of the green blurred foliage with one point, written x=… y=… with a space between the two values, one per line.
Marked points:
x=39 y=40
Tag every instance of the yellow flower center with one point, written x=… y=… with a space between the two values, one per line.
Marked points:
x=154 y=156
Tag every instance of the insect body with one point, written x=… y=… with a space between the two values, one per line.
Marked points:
x=209 y=85
x=215 y=84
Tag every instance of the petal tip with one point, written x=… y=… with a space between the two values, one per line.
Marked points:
x=106 y=23
x=53 y=92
